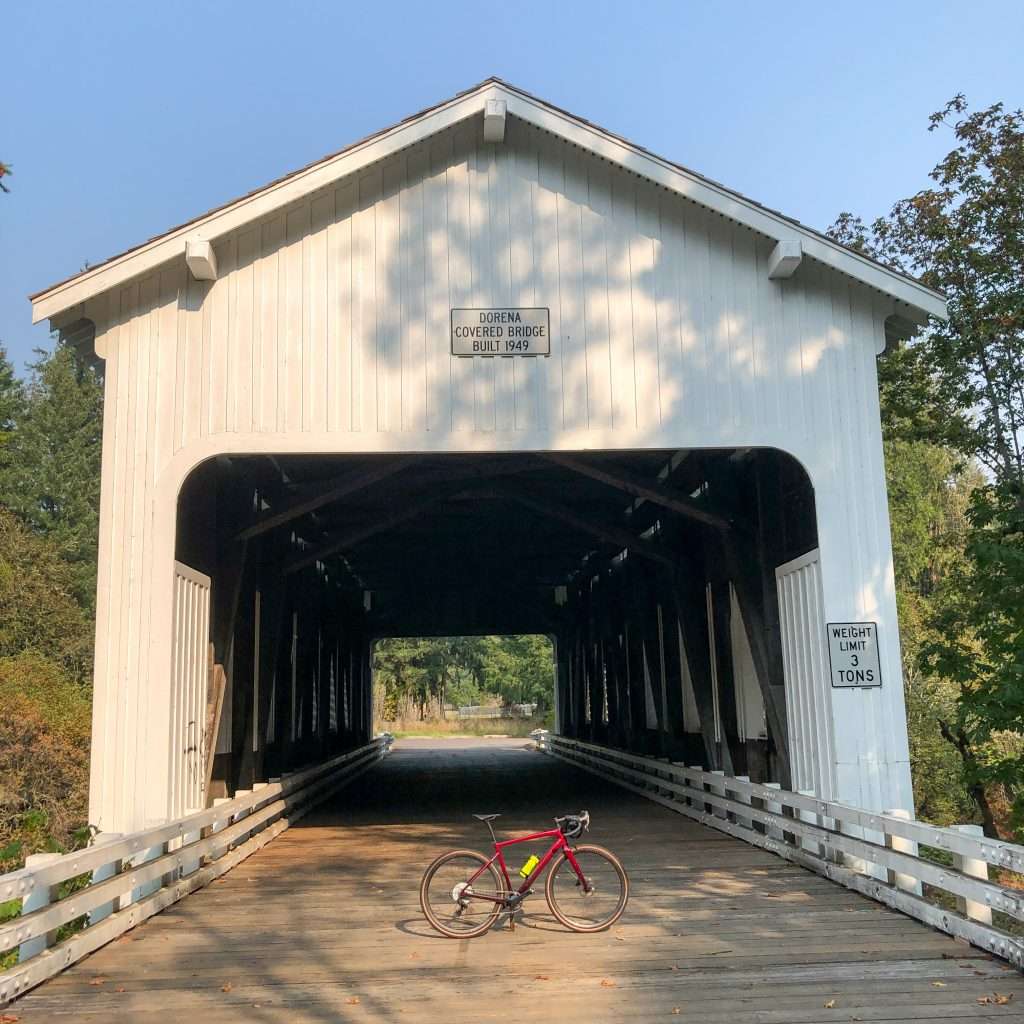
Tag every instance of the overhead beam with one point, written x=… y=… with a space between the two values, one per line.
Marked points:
x=351 y=484
x=640 y=488
x=608 y=533
x=348 y=540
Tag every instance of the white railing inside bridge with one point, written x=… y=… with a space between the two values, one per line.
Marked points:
x=120 y=880
x=877 y=854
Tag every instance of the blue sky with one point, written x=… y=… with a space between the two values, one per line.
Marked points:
x=122 y=119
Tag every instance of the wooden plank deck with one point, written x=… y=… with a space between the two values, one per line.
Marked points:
x=324 y=924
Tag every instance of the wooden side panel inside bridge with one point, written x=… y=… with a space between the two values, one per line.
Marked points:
x=324 y=924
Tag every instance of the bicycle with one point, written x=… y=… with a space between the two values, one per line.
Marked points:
x=586 y=889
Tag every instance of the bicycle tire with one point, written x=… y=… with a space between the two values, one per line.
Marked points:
x=426 y=904
x=583 y=855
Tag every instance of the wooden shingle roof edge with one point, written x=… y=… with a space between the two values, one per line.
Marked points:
x=917 y=300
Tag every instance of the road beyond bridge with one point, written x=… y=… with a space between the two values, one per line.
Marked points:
x=324 y=924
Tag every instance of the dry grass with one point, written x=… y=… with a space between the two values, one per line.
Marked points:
x=453 y=728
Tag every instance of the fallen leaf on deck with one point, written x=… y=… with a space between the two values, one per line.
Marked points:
x=674 y=967
x=352 y=1000
x=676 y=1010
x=830 y=1005
x=97 y=981
x=938 y=984
x=8 y=1018
x=1001 y=1000
x=120 y=988
x=227 y=988
x=607 y=983
x=543 y=977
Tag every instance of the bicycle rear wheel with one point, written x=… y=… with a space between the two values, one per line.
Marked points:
x=455 y=906
x=597 y=902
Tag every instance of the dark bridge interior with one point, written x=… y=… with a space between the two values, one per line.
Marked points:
x=632 y=561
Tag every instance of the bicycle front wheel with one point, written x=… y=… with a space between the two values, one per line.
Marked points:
x=460 y=894
x=597 y=901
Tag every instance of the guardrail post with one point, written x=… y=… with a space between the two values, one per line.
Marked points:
x=102 y=873
x=147 y=888
x=898 y=878
x=697 y=805
x=718 y=790
x=743 y=797
x=40 y=896
x=976 y=869
x=217 y=827
x=773 y=831
x=809 y=818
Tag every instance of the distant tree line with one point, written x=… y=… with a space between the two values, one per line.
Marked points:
x=422 y=675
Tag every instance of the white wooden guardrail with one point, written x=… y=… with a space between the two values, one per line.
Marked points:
x=132 y=877
x=876 y=854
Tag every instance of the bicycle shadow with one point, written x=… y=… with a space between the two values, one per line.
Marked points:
x=419 y=928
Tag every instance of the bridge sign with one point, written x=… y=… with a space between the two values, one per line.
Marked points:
x=510 y=331
x=853 y=654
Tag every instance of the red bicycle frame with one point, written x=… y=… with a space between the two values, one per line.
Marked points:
x=559 y=844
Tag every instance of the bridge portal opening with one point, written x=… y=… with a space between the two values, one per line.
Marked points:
x=459 y=684
x=664 y=579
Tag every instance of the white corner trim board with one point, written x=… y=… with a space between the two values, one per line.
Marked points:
x=495 y=100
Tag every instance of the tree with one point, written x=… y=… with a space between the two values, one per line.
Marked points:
x=980 y=645
x=5 y=170
x=50 y=473
x=965 y=237
x=38 y=611
x=960 y=385
x=12 y=400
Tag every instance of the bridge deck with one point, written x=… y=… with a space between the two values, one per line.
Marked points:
x=324 y=924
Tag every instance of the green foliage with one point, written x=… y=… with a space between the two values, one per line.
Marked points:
x=50 y=471
x=44 y=743
x=928 y=496
x=49 y=496
x=980 y=643
x=420 y=672
x=38 y=612
x=12 y=400
x=961 y=384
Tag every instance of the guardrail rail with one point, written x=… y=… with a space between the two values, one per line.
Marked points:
x=124 y=879
x=875 y=854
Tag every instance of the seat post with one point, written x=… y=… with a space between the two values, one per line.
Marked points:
x=494 y=838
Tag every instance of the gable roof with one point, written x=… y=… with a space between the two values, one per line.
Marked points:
x=918 y=300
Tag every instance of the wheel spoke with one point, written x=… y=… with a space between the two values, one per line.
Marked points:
x=597 y=900
x=454 y=904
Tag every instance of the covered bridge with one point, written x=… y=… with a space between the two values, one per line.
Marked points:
x=493 y=369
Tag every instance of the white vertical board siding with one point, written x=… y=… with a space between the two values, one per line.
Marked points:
x=805 y=661
x=328 y=331
x=191 y=632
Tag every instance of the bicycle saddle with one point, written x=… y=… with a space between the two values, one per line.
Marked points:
x=486 y=817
